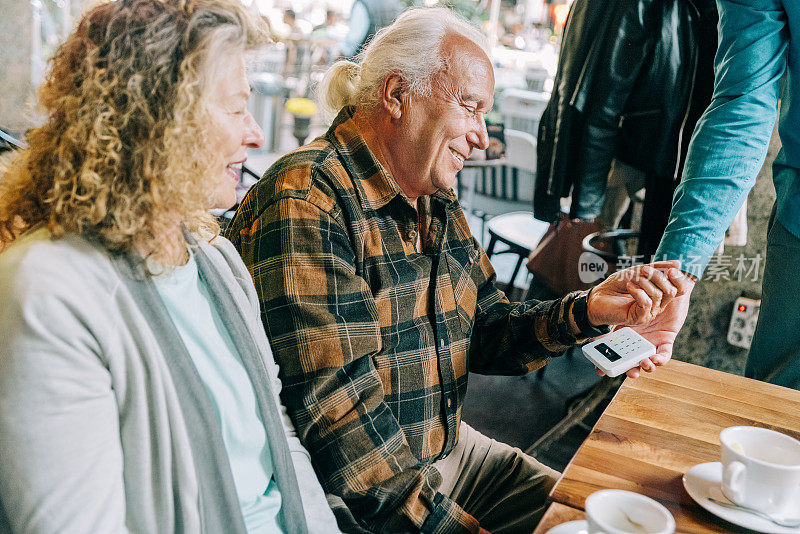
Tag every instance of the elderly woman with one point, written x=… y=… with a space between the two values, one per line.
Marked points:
x=137 y=387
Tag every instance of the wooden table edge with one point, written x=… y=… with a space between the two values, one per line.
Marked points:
x=557 y=514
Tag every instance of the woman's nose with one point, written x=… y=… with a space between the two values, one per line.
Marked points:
x=254 y=135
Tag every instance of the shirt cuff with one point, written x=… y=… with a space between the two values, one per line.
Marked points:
x=448 y=518
x=555 y=330
x=693 y=254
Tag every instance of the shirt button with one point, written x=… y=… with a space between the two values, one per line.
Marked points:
x=412 y=234
x=449 y=403
x=471 y=260
x=441 y=343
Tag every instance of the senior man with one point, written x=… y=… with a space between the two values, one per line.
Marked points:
x=378 y=300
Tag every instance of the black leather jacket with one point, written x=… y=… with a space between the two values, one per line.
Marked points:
x=623 y=90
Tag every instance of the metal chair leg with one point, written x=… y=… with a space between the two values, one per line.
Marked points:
x=514 y=274
x=592 y=400
x=490 y=248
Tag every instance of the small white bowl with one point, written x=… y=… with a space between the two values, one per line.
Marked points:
x=613 y=511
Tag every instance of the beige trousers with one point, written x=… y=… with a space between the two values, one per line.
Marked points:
x=499 y=485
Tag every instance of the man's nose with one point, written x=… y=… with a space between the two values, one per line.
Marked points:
x=253 y=135
x=478 y=136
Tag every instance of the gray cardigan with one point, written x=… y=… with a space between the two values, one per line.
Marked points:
x=103 y=425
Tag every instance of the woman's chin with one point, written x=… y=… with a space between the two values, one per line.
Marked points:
x=225 y=193
x=224 y=201
x=223 y=205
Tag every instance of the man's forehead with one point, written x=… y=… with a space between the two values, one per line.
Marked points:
x=474 y=84
x=455 y=42
x=469 y=69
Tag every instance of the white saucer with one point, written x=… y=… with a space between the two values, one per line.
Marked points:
x=570 y=527
x=703 y=481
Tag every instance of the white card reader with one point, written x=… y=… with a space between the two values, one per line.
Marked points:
x=618 y=351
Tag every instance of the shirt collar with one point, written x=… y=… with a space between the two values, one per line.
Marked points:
x=375 y=186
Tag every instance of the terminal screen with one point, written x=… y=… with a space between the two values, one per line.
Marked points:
x=608 y=352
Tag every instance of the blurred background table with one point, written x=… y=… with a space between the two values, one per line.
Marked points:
x=660 y=425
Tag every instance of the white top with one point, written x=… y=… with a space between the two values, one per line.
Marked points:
x=217 y=361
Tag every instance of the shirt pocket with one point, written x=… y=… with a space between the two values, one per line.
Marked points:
x=461 y=264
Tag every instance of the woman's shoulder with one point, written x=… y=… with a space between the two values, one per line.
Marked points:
x=232 y=273
x=38 y=260
x=226 y=260
x=223 y=254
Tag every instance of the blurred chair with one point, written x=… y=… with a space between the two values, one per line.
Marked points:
x=522 y=109
x=500 y=193
x=520 y=232
x=613 y=245
x=270 y=91
x=498 y=186
x=536 y=78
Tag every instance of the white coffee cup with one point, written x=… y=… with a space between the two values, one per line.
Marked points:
x=761 y=470
x=613 y=511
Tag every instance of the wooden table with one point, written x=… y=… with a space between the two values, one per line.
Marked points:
x=556 y=514
x=660 y=425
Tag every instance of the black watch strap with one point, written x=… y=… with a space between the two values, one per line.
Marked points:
x=580 y=313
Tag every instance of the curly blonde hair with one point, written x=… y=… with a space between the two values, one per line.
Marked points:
x=127 y=147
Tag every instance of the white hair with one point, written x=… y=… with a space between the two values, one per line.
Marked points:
x=411 y=46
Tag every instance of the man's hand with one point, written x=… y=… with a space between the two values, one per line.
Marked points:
x=635 y=296
x=653 y=299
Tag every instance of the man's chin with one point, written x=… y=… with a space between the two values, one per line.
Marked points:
x=446 y=180
x=450 y=184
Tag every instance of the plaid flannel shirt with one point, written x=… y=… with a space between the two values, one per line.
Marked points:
x=375 y=340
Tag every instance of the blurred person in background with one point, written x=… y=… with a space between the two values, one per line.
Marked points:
x=327 y=37
x=290 y=19
x=138 y=391
x=366 y=18
x=633 y=78
x=331 y=20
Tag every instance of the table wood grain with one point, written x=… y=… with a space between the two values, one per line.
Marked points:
x=556 y=514
x=663 y=423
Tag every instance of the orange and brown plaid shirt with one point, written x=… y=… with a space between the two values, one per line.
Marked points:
x=375 y=340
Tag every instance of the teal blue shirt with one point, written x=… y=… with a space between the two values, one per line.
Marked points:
x=730 y=142
x=219 y=366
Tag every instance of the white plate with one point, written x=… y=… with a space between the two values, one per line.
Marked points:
x=703 y=481
x=570 y=527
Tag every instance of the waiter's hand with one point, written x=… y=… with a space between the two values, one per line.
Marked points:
x=653 y=299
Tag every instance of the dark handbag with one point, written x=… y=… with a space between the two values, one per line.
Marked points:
x=555 y=261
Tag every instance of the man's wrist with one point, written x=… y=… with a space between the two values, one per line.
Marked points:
x=580 y=314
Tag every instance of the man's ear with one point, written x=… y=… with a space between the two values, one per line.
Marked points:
x=393 y=94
